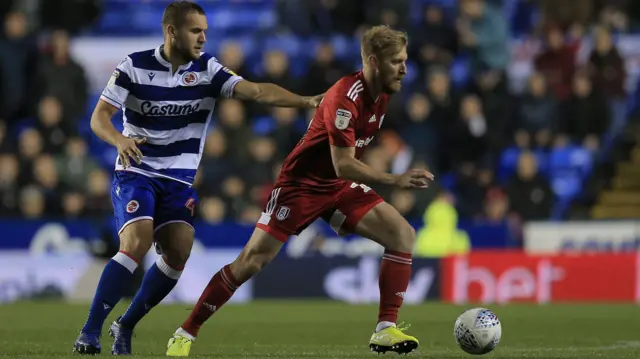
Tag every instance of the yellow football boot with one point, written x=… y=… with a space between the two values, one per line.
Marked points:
x=179 y=346
x=393 y=339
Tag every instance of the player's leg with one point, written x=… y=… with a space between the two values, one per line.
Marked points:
x=175 y=241
x=288 y=212
x=133 y=201
x=174 y=235
x=363 y=212
x=258 y=252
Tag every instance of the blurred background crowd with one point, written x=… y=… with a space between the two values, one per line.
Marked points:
x=553 y=143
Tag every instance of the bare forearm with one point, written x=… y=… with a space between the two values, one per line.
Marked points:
x=357 y=171
x=274 y=95
x=101 y=125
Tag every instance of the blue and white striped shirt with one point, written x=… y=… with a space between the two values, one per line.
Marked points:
x=171 y=111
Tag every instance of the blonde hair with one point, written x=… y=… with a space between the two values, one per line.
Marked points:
x=382 y=41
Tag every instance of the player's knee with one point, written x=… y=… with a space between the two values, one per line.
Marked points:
x=405 y=238
x=136 y=238
x=252 y=260
x=177 y=257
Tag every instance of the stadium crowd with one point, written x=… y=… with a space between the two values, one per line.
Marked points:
x=457 y=130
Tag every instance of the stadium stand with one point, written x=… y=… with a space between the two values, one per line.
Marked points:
x=482 y=96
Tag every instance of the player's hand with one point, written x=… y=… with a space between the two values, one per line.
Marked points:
x=415 y=178
x=128 y=147
x=315 y=101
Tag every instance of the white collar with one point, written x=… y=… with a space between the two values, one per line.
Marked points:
x=158 y=55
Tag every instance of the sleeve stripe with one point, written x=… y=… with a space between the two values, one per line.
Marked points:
x=218 y=81
x=123 y=80
x=110 y=101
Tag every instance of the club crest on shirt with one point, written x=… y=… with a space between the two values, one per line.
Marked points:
x=283 y=213
x=132 y=206
x=189 y=78
x=342 y=119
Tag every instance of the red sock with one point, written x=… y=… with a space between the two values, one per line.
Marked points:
x=395 y=273
x=218 y=291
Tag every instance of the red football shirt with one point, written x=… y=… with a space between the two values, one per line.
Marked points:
x=347 y=117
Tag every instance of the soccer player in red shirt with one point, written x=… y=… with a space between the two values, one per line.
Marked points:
x=323 y=177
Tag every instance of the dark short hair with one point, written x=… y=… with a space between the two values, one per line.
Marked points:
x=175 y=13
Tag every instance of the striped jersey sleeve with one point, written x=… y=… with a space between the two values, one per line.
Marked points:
x=119 y=85
x=223 y=80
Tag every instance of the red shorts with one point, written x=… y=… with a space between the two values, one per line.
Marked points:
x=291 y=209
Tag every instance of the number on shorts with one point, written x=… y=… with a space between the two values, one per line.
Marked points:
x=191 y=206
x=364 y=187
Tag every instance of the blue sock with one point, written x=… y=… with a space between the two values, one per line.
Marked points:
x=156 y=285
x=114 y=281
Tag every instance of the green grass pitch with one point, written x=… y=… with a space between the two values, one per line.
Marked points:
x=325 y=330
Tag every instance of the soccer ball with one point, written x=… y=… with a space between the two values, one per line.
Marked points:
x=477 y=331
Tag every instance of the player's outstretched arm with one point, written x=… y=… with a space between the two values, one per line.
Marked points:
x=273 y=95
x=350 y=168
x=101 y=125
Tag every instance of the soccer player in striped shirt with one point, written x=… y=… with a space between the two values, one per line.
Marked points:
x=167 y=95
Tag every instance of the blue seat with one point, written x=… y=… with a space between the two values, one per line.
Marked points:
x=566 y=184
x=459 y=72
x=264 y=125
x=508 y=163
x=568 y=167
x=574 y=158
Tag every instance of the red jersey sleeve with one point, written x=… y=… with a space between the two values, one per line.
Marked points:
x=340 y=117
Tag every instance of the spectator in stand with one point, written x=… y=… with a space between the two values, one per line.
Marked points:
x=529 y=192
x=212 y=210
x=557 y=64
x=586 y=114
x=566 y=12
x=60 y=76
x=234 y=127
x=395 y=13
x=444 y=105
x=434 y=41
x=417 y=129
x=608 y=74
x=51 y=124
x=216 y=162
x=324 y=71
x=483 y=30
x=75 y=164
x=32 y=203
x=45 y=175
x=6 y=142
x=30 y=146
x=9 y=185
x=289 y=128
x=232 y=56
x=234 y=193
x=98 y=194
x=18 y=53
x=276 y=69
x=491 y=88
x=538 y=113
x=614 y=17
x=472 y=185
x=496 y=206
x=338 y=16
x=73 y=205
x=258 y=170
x=468 y=140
